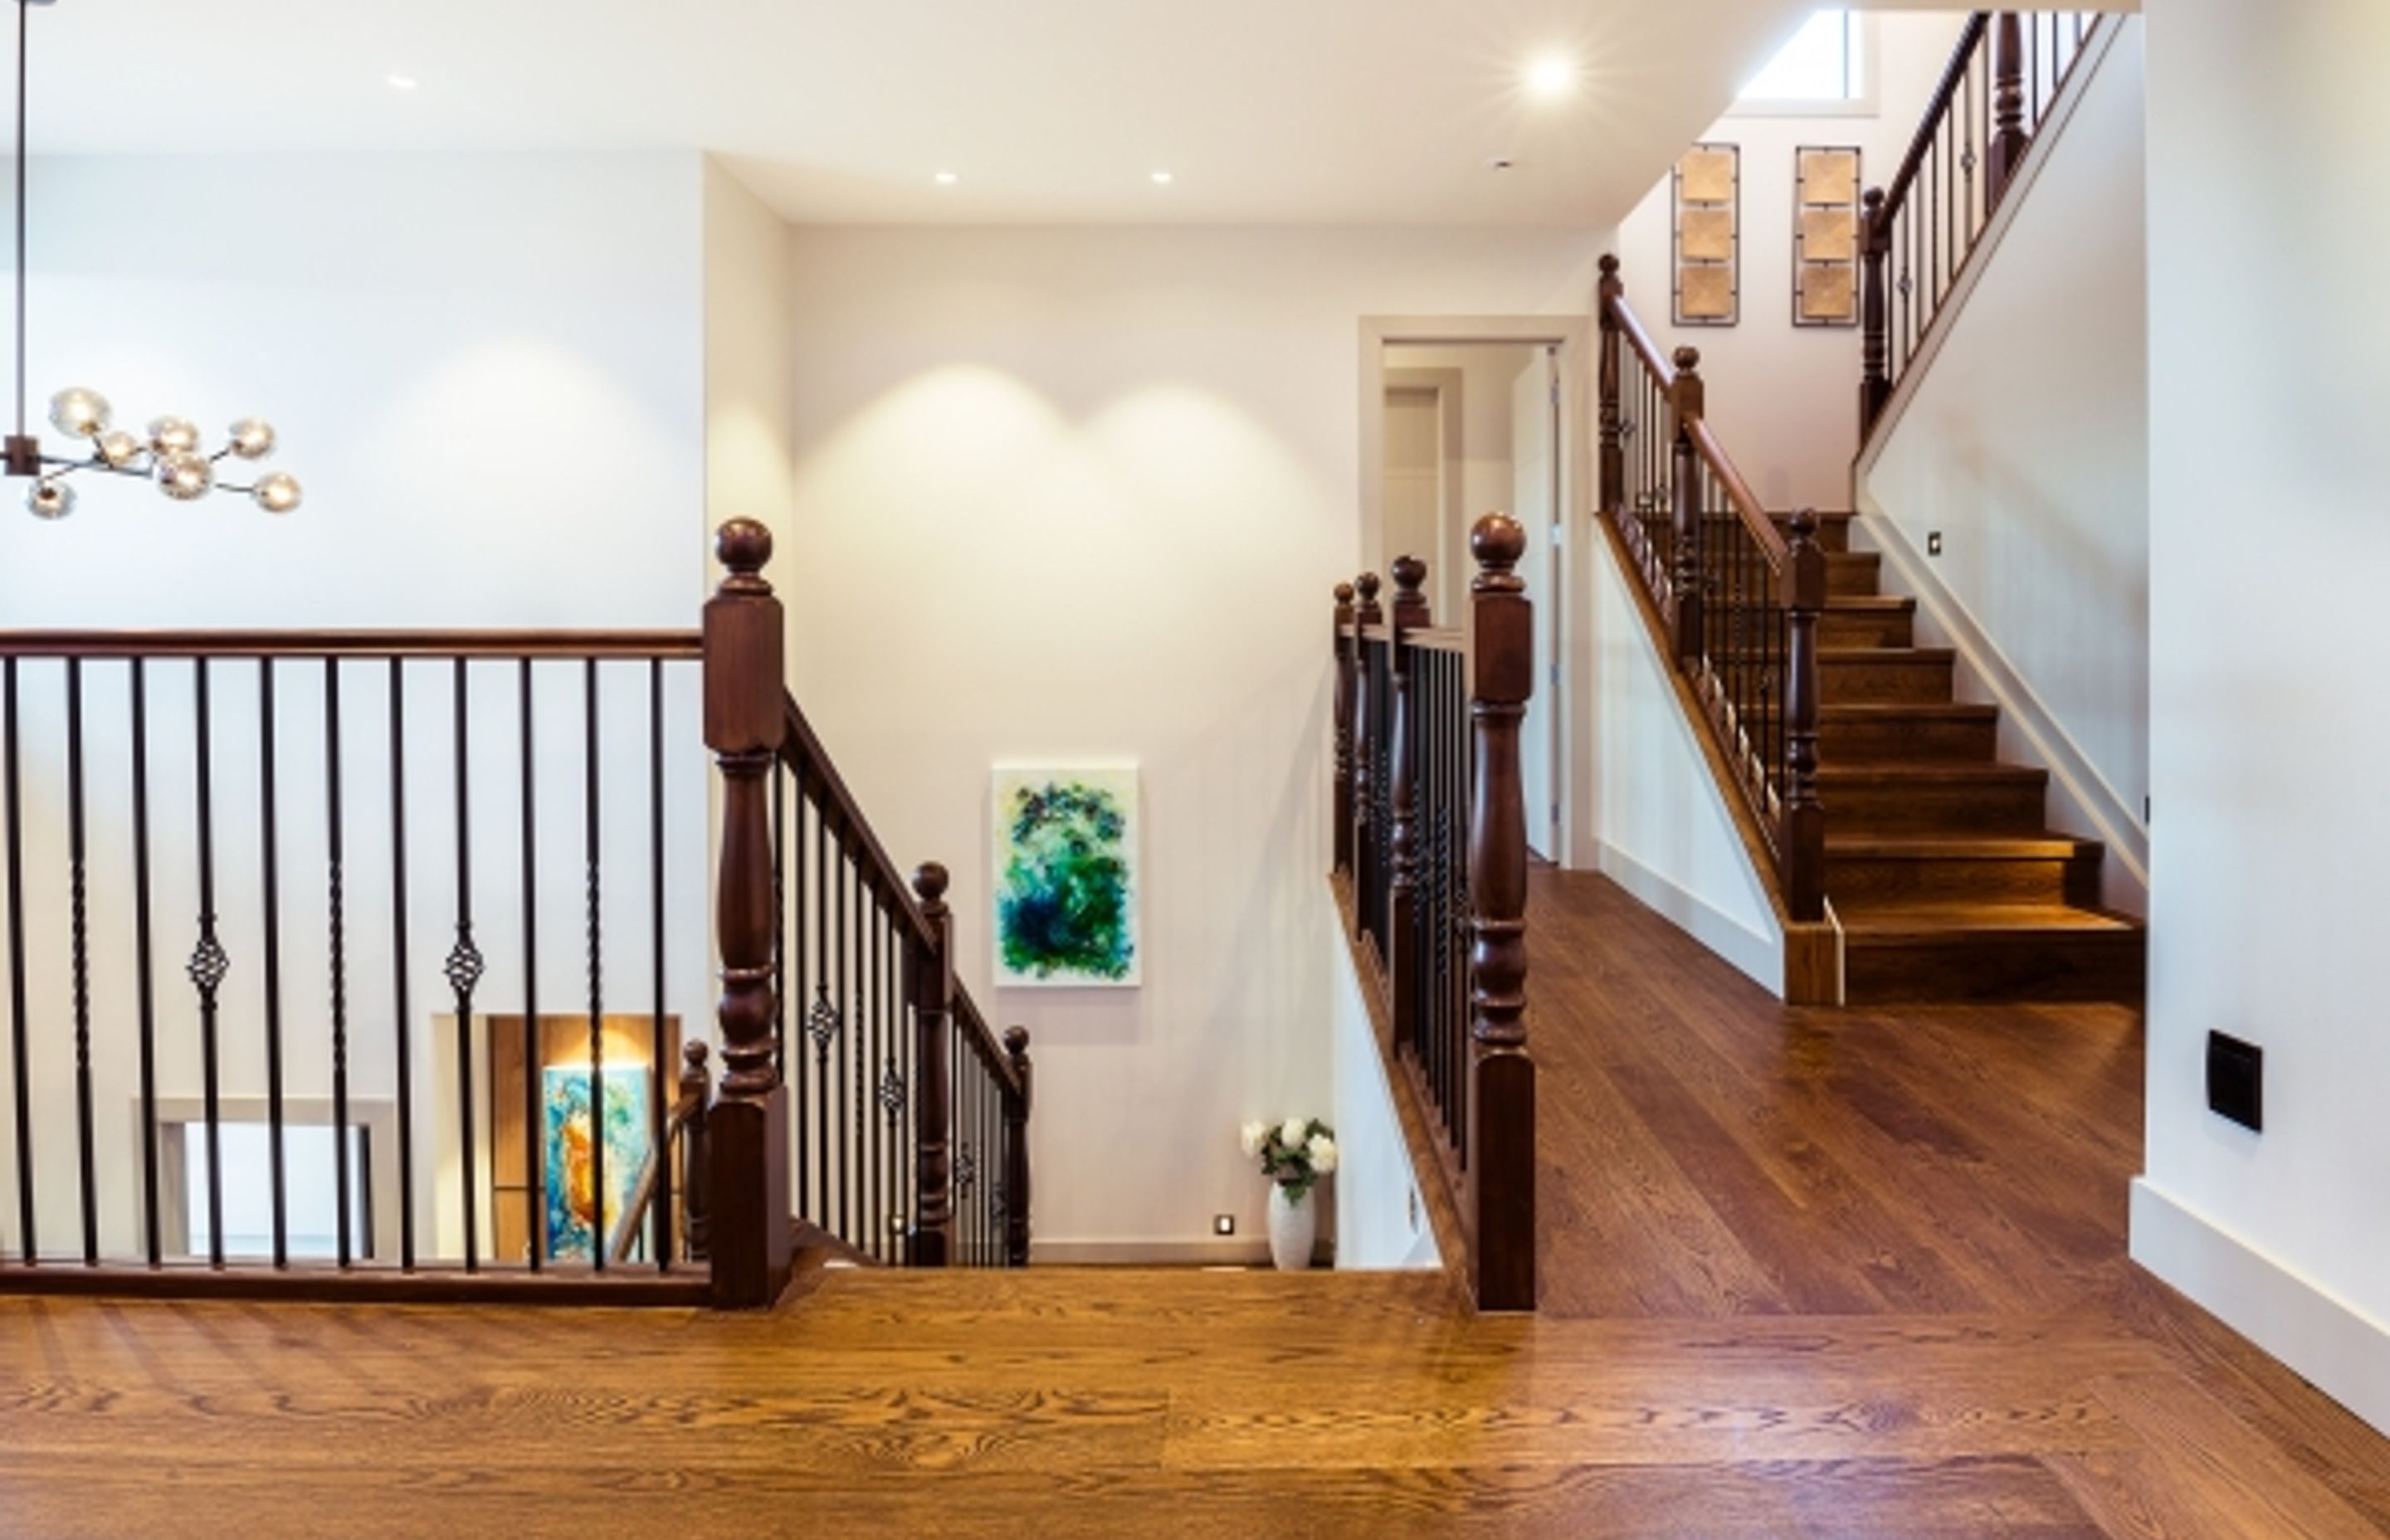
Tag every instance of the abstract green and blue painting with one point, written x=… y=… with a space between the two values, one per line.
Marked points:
x=571 y=1145
x=1066 y=877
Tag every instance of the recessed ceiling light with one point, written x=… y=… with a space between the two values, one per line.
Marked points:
x=401 y=83
x=946 y=179
x=1551 y=77
x=1163 y=179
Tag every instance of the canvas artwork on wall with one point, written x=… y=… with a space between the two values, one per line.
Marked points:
x=1826 y=236
x=570 y=1142
x=1065 y=862
x=1708 y=236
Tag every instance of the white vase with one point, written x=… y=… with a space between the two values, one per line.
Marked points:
x=1293 y=1228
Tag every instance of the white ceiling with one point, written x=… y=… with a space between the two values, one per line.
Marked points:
x=1327 y=111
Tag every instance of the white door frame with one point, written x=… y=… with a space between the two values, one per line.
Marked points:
x=1573 y=336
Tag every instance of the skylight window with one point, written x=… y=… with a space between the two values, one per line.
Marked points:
x=1826 y=62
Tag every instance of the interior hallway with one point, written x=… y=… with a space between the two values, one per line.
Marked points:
x=1804 y=1275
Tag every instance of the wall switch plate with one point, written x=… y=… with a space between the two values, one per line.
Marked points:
x=2236 y=1081
x=1224 y=1223
x=1933 y=542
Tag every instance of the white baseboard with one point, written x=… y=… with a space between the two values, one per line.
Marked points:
x=2085 y=803
x=1759 y=957
x=2335 y=1346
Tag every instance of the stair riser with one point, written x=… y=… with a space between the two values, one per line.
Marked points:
x=2108 y=969
x=1862 y=681
x=1855 y=575
x=1940 y=741
x=1890 y=879
x=1867 y=628
x=1929 y=808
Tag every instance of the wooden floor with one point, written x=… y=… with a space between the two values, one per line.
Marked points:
x=1806 y=1275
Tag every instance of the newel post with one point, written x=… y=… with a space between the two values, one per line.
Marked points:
x=1016 y=1149
x=748 y=1129
x=2009 y=140
x=1805 y=820
x=1402 y=903
x=934 y=996
x=696 y=1166
x=1875 y=336
x=1613 y=442
x=1690 y=399
x=1347 y=659
x=1501 y=1075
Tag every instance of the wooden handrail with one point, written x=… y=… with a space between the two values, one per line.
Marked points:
x=802 y=750
x=1954 y=74
x=626 y=1232
x=576 y=646
x=1654 y=361
x=1746 y=502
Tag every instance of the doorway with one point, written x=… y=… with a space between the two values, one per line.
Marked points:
x=1458 y=427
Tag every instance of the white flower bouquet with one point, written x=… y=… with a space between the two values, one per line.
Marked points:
x=1296 y=1154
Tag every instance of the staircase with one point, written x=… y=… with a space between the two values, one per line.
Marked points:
x=1906 y=860
x=1939 y=865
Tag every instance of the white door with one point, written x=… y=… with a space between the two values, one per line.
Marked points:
x=1414 y=484
x=1536 y=471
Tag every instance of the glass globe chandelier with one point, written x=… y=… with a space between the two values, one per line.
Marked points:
x=170 y=452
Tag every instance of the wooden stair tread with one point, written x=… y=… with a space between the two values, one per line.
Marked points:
x=1893 y=771
x=1886 y=655
x=1864 y=711
x=1958 y=847
x=1895 y=603
x=1889 y=924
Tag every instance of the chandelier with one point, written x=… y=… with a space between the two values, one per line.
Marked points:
x=169 y=452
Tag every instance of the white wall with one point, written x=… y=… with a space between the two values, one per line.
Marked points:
x=2268 y=553
x=1076 y=494
x=488 y=370
x=750 y=371
x=1785 y=398
x=1667 y=834
x=1381 y=1219
x=2025 y=446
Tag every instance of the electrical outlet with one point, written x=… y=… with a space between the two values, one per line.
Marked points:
x=1933 y=542
x=1224 y=1223
x=2236 y=1081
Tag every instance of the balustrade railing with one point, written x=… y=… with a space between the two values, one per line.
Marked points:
x=435 y=900
x=2004 y=76
x=1739 y=600
x=1431 y=854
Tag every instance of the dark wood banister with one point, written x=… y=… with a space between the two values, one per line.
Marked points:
x=1746 y=502
x=1629 y=325
x=802 y=750
x=511 y=646
x=1921 y=145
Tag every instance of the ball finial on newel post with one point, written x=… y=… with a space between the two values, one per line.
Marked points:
x=1498 y=543
x=1367 y=585
x=1410 y=603
x=744 y=546
x=929 y=881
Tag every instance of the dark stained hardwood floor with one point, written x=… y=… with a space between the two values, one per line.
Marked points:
x=1805 y=1275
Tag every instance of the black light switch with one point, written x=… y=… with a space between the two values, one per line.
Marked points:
x=2236 y=1081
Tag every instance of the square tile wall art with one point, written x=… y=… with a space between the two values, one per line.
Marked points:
x=571 y=1145
x=1826 y=236
x=1707 y=236
x=1066 y=877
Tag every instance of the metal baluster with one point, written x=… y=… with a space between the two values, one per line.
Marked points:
x=594 y=818
x=400 y=1017
x=278 y=1163
x=858 y=1012
x=143 y=963
x=209 y=965
x=846 y=1019
x=464 y=972
x=661 y=1222
x=795 y=942
x=534 y=1121
x=80 y=940
x=823 y=1024
x=336 y=903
